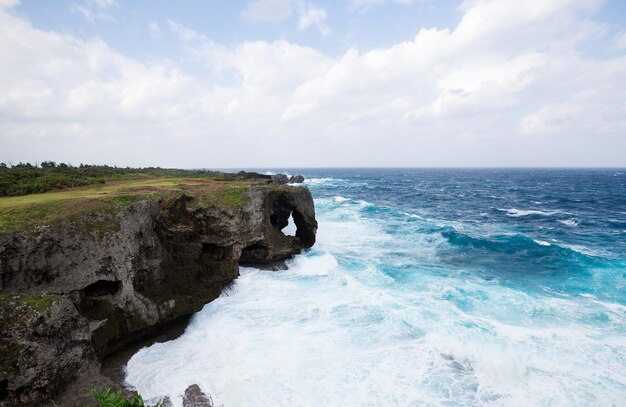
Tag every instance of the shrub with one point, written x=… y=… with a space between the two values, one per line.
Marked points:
x=106 y=398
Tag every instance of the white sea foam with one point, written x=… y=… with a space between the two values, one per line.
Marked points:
x=541 y=242
x=412 y=215
x=513 y=212
x=337 y=341
x=320 y=265
x=570 y=222
x=320 y=180
x=340 y=199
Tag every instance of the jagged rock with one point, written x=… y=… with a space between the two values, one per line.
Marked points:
x=194 y=397
x=296 y=179
x=132 y=273
x=280 y=179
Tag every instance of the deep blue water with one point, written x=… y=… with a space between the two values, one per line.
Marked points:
x=454 y=287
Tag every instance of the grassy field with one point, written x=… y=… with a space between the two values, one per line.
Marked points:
x=28 y=211
x=24 y=179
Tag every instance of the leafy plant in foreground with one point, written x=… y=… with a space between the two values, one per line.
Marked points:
x=106 y=398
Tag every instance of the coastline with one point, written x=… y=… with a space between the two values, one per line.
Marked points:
x=131 y=276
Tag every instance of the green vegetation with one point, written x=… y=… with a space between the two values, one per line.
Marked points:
x=24 y=179
x=106 y=398
x=32 y=196
x=28 y=302
x=233 y=195
x=24 y=212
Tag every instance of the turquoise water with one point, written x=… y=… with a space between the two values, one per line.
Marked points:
x=426 y=287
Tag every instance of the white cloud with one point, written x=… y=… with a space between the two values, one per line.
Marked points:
x=105 y=3
x=362 y=5
x=184 y=33
x=309 y=16
x=621 y=40
x=9 y=3
x=508 y=85
x=273 y=11
x=94 y=10
x=154 y=29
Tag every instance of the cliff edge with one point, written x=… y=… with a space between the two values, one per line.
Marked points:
x=89 y=284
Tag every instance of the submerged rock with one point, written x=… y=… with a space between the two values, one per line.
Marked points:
x=122 y=276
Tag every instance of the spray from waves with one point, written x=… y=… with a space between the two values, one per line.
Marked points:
x=319 y=265
x=318 y=181
x=285 y=339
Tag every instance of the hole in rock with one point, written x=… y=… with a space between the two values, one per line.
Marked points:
x=291 y=228
x=284 y=217
x=102 y=287
x=254 y=253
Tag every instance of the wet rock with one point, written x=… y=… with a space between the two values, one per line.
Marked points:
x=194 y=397
x=296 y=179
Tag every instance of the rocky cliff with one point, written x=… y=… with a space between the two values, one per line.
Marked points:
x=78 y=290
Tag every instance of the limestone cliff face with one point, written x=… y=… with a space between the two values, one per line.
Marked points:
x=127 y=274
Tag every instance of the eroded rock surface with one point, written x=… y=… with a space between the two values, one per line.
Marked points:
x=119 y=277
x=44 y=342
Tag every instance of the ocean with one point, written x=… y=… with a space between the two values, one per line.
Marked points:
x=427 y=287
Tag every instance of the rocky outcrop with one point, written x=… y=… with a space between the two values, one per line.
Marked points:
x=117 y=277
x=43 y=341
x=255 y=176
x=194 y=397
x=284 y=179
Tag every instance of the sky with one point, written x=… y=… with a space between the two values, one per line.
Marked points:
x=290 y=83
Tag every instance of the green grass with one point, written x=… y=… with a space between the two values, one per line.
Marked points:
x=24 y=179
x=26 y=212
x=234 y=196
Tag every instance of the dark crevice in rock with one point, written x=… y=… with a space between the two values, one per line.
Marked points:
x=253 y=254
x=102 y=287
